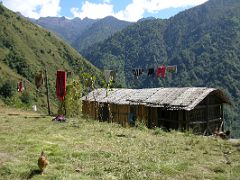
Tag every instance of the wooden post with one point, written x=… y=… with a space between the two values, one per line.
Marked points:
x=47 y=92
x=222 y=118
x=186 y=120
x=180 y=120
x=206 y=117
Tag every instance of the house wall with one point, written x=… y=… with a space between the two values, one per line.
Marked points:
x=207 y=116
x=123 y=111
x=142 y=114
x=90 y=109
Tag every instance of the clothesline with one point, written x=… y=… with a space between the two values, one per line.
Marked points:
x=159 y=71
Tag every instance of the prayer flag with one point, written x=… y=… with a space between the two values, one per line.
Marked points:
x=61 y=85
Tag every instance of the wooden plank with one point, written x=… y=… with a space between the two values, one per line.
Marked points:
x=204 y=122
x=180 y=120
x=186 y=118
x=222 y=118
x=205 y=106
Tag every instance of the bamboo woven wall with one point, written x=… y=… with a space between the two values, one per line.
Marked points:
x=142 y=114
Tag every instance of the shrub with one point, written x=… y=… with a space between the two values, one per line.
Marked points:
x=26 y=97
x=8 y=89
x=72 y=102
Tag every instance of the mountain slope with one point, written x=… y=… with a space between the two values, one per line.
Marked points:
x=99 y=31
x=68 y=29
x=203 y=42
x=82 y=33
x=26 y=48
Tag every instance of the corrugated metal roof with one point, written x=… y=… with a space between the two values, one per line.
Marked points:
x=170 y=98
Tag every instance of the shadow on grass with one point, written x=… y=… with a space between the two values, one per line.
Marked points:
x=34 y=173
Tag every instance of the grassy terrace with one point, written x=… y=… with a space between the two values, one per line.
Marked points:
x=87 y=149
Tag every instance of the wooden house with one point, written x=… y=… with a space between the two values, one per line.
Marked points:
x=196 y=108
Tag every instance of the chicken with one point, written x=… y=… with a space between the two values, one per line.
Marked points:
x=42 y=162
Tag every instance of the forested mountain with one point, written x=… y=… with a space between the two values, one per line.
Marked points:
x=203 y=42
x=82 y=33
x=26 y=49
x=99 y=31
x=68 y=29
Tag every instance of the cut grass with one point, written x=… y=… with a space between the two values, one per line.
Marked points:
x=87 y=149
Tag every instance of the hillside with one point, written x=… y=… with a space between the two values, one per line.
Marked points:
x=87 y=149
x=26 y=48
x=203 y=42
x=82 y=33
x=98 y=32
x=67 y=29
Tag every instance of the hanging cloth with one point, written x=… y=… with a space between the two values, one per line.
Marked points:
x=161 y=71
x=137 y=72
x=150 y=72
x=172 y=69
x=61 y=85
x=110 y=75
x=20 y=87
x=39 y=80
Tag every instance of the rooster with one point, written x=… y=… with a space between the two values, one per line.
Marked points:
x=42 y=162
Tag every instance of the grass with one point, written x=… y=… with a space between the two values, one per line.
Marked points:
x=87 y=149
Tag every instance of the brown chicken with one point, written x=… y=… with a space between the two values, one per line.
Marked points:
x=42 y=162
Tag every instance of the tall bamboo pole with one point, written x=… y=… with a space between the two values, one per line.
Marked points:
x=47 y=92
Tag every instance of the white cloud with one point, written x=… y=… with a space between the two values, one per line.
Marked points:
x=133 y=11
x=34 y=8
x=93 y=10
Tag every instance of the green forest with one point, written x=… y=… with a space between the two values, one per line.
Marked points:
x=203 y=42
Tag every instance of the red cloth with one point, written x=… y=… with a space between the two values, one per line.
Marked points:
x=61 y=85
x=20 y=87
x=161 y=71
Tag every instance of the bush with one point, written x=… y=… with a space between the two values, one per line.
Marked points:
x=158 y=131
x=72 y=104
x=8 y=89
x=26 y=97
x=141 y=126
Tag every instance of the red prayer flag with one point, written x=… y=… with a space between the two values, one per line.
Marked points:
x=61 y=85
x=20 y=87
x=161 y=71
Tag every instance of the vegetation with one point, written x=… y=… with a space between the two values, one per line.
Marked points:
x=72 y=105
x=68 y=29
x=203 y=42
x=26 y=49
x=98 y=32
x=87 y=149
x=82 y=34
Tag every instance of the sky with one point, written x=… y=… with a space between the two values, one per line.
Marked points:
x=129 y=10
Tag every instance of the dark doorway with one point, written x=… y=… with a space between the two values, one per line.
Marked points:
x=167 y=119
x=132 y=116
x=103 y=114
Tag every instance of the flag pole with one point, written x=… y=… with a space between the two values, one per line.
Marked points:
x=47 y=92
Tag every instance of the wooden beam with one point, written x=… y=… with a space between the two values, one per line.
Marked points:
x=222 y=117
x=47 y=92
x=204 y=122
x=186 y=114
x=207 y=130
x=204 y=106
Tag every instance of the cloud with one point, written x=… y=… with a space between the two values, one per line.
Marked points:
x=137 y=8
x=93 y=10
x=34 y=8
x=133 y=11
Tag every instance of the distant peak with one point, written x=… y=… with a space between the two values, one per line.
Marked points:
x=109 y=17
x=147 y=18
